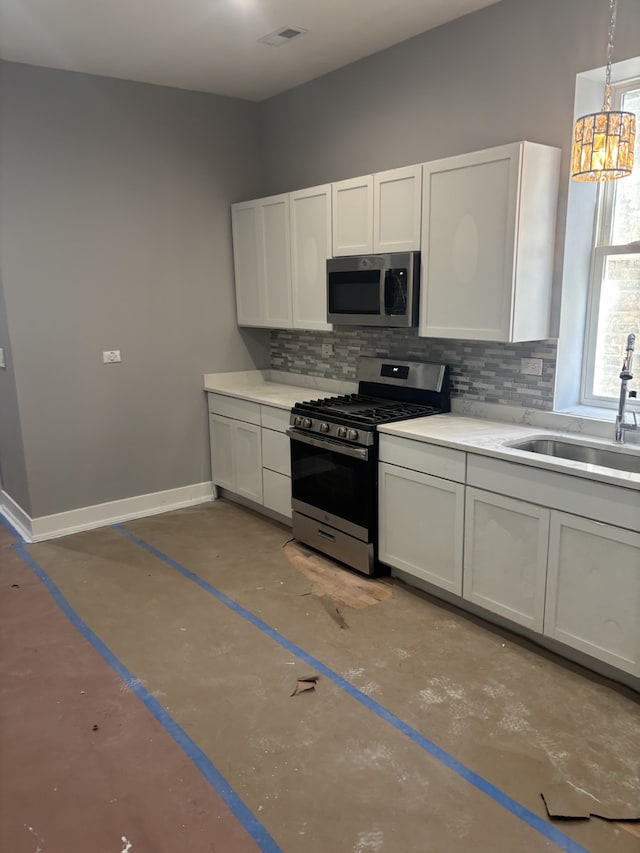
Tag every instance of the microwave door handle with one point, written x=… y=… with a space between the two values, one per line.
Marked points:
x=395 y=299
x=383 y=292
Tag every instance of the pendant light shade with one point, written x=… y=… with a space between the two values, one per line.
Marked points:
x=604 y=142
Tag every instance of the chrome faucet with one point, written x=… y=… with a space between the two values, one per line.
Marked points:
x=625 y=376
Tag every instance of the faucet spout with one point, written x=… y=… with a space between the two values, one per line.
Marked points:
x=625 y=376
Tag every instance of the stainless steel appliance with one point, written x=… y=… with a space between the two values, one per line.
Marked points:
x=334 y=455
x=374 y=290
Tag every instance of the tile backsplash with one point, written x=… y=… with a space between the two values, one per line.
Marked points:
x=480 y=371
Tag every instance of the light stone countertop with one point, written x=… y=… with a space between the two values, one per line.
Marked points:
x=491 y=438
x=482 y=435
x=274 y=387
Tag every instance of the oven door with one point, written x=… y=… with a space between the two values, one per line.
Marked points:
x=334 y=483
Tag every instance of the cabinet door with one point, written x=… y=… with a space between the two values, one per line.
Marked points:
x=397 y=207
x=236 y=456
x=247 y=460
x=246 y=251
x=593 y=590
x=421 y=526
x=505 y=556
x=275 y=260
x=468 y=231
x=221 y=439
x=353 y=216
x=310 y=212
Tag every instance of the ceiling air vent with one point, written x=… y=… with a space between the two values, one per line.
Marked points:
x=280 y=36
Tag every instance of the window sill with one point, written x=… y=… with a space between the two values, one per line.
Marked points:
x=590 y=412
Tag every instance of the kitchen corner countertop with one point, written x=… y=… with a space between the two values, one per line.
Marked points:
x=273 y=388
x=491 y=438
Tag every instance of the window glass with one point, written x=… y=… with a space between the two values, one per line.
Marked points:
x=626 y=205
x=614 y=303
x=618 y=315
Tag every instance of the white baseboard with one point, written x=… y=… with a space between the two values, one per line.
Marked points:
x=100 y=515
x=16 y=516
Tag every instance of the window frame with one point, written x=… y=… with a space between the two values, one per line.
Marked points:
x=602 y=249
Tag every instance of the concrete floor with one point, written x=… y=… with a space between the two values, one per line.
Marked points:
x=181 y=639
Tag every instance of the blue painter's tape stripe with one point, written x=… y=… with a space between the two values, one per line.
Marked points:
x=8 y=526
x=204 y=765
x=549 y=831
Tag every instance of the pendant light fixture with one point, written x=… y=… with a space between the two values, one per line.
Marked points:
x=603 y=143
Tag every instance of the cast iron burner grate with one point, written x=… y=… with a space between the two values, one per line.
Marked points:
x=361 y=409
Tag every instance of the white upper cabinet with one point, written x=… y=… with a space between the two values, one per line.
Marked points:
x=280 y=250
x=261 y=254
x=353 y=216
x=378 y=213
x=310 y=212
x=488 y=227
x=249 y=291
x=276 y=259
x=397 y=200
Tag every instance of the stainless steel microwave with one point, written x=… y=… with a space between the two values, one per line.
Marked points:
x=374 y=290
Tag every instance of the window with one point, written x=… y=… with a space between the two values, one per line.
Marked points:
x=614 y=295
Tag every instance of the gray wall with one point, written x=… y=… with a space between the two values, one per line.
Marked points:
x=499 y=75
x=502 y=74
x=13 y=468
x=115 y=234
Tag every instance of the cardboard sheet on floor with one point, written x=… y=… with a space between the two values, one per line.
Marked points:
x=305 y=683
x=564 y=800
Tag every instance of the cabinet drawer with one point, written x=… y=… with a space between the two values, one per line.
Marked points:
x=276 y=454
x=233 y=407
x=276 y=491
x=426 y=458
x=275 y=418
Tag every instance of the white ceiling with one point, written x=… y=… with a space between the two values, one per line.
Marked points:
x=212 y=45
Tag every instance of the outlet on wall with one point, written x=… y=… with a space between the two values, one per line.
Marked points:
x=110 y=356
x=327 y=349
x=531 y=366
x=2 y=361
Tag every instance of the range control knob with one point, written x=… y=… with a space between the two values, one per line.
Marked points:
x=324 y=427
x=297 y=421
x=352 y=435
x=307 y=423
x=342 y=432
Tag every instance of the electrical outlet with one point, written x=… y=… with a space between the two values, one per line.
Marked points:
x=327 y=349
x=110 y=356
x=531 y=366
x=2 y=361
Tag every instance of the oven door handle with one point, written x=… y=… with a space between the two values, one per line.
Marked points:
x=329 y=444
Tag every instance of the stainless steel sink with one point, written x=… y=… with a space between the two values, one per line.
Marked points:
x=621 y=460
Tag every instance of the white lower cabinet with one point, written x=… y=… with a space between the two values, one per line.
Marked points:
x=250 y=454
x=505 y=556
x=593 y=590
x=421 y=525
x=236 y=456
x=516 y=540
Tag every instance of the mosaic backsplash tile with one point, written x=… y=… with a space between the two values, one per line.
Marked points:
x=487 y=372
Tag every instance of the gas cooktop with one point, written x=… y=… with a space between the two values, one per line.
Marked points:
x=364 y=410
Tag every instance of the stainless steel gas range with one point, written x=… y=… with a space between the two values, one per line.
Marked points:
x=334 y=455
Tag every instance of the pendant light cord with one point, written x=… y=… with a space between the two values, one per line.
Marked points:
x=612 y=27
